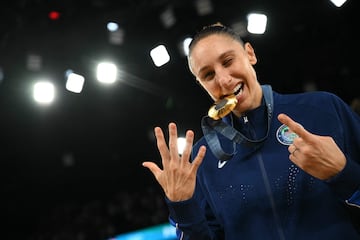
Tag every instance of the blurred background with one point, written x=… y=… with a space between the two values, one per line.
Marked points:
x=71 y=160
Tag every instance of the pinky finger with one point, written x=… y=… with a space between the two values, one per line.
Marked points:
x=199 y=157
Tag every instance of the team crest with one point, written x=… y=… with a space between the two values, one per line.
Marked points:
x=285 y=136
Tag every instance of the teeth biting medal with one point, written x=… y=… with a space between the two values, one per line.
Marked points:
x=224 y=106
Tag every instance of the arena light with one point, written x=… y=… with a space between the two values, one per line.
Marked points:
x=116 y=33
x=338 y=3
x=157 y=232
x=256 y=23
x=74 y=82
x=185 y=46
x=160 y=55
x=181 y=142
x=106 y=72
x=112 y=26
x=44 y=92
x=54 y=15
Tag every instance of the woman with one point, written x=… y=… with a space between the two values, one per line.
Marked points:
x=256 y=173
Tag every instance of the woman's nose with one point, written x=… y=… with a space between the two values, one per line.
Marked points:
x=223 y=78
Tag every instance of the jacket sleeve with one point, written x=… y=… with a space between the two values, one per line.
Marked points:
x=193 y=219
x=347 y=183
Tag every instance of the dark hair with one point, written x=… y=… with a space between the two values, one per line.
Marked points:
x=216 y=28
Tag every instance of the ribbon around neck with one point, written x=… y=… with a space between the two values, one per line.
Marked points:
x=211 y=127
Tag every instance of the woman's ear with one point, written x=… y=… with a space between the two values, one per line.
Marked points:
x=250 y=53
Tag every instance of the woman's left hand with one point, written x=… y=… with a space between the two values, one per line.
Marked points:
x=317 y=155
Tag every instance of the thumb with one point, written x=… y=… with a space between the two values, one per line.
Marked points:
x=152 y=167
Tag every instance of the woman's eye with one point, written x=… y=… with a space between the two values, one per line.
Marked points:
x=227 y=62
x=208 y=75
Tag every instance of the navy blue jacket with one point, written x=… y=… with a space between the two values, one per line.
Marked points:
x=260 y=194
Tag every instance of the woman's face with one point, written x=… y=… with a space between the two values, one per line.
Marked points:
x=223 y=66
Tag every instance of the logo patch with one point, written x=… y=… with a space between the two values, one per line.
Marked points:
x=221 y=164
x=285 y=136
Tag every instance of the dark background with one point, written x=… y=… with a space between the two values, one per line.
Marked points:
x=73 y=170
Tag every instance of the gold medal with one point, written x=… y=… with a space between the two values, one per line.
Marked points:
x=222 y=107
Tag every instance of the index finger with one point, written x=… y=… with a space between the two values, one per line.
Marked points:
x=293 y=126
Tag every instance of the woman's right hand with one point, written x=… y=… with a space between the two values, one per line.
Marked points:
x=178 y=176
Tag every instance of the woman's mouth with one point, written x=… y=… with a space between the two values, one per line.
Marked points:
x=238 y=89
